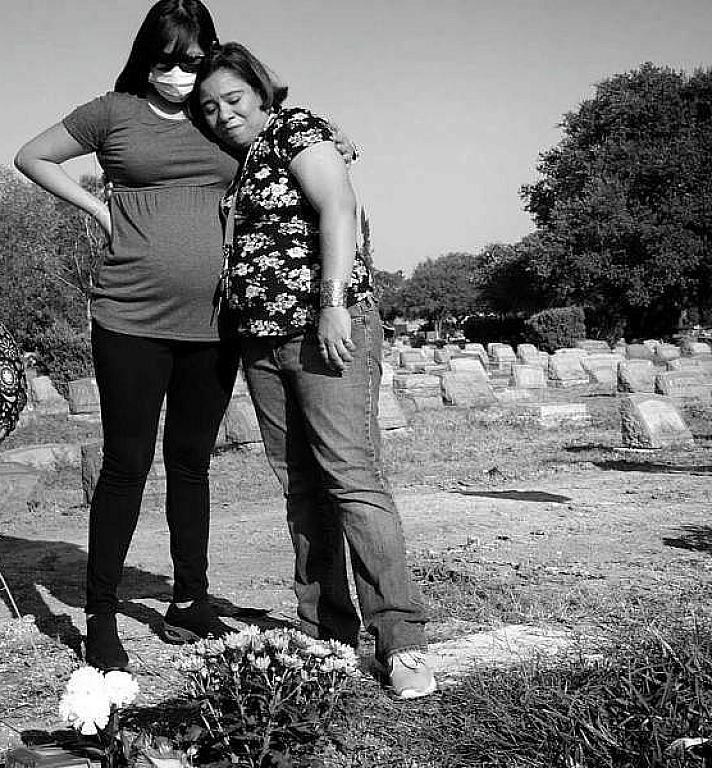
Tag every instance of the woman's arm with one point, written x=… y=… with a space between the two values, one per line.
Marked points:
x=323 y=177
x=40 y=160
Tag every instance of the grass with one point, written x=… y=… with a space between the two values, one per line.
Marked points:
x=650 y=685
x=651 y=679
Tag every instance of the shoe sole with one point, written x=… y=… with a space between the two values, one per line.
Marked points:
x=410 y=693
x=178 y=635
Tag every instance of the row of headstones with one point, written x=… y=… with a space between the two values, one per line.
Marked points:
x=530 y=369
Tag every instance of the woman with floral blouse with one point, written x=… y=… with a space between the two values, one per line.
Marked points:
x=301 y=301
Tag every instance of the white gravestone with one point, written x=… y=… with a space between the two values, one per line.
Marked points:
x=528 y=377
x=636 y=376
x=685 y=384
x=390 y=414
x=466 y=390
x=652 y=421
x=566 y=371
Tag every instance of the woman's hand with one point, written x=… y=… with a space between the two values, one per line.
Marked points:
x=103 y=218
x=344 y=146
x=334 y=333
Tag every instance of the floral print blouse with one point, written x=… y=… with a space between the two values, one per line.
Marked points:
x=13 y=394
x=273 y=273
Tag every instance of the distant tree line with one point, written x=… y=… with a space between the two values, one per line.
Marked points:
x=623 y=215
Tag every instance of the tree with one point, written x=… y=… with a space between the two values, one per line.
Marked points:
x=623 y=206
x=443 y=287
x=509 y=281
x=387 y=289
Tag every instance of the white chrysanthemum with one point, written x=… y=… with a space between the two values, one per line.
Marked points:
x=289 y=660
x=121 y=688
x=85 y=704
x=209 y=647
x=191 y=662
x=319 y=649
x=262 y=662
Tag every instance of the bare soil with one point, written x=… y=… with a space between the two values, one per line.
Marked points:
x=505 y=523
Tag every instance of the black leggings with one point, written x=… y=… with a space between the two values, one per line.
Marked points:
x=133 y=375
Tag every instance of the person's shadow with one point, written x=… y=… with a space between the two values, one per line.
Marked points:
x=33 y=568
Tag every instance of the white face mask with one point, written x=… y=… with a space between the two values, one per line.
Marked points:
x=175 y=85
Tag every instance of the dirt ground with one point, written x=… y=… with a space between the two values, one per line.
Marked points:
x=608 y=526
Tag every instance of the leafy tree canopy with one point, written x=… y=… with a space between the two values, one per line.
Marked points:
x=623 y=207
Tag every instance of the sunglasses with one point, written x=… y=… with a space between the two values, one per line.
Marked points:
x=190 y=64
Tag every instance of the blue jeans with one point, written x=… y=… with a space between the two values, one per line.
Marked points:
x=321 y=437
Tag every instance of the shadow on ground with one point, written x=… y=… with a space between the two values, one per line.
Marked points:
x=649 y=466
x=35 y=568
x=540 y=496
x=695 y=538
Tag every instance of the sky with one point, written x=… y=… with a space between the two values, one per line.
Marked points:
x=451 y=100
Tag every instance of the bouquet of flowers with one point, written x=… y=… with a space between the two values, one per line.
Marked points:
x=91 y=703
x=261 y=692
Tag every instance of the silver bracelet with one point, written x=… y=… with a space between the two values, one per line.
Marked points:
x=332 y=293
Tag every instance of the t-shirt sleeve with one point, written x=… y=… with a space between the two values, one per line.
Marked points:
x=89 y=124
x=302 y=129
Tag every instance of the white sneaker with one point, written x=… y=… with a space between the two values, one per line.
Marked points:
x=409 y=675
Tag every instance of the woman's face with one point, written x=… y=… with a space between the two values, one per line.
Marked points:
x=172 y=75
x=232 y=108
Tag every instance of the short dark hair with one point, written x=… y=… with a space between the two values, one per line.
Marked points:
x=183 y=21
x=234 y=57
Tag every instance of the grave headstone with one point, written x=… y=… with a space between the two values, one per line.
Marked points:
x=697 y=349
x=702 y=366
x=17 y=483
x=239 y=425
x=576 y=351
x=422 y=402
x=472 y=365
x=592 y=346
x=412 y=360
x=442 y=356
x=44 y=397
x=636 y=375
x=639 y=352
x=390 y=413
x=685 y=384
x=664 y=353
x=466 y=390
x=502 y=358
x=652 y=421
x=84 y=396
x=602 y=369
x=652 y=344
x=44 y=456
x=91 y=457
x=528 y=377
x=528 y=354
x=565 y=370
x=475 y=348
x=510 y=395
x=555 y=414
x=422 y=384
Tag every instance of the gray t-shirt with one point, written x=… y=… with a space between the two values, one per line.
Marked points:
x=164 y=261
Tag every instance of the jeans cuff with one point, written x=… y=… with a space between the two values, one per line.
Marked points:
x=382 y=657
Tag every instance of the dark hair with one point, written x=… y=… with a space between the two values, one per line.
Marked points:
x=183 y=21
x=236 y=58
